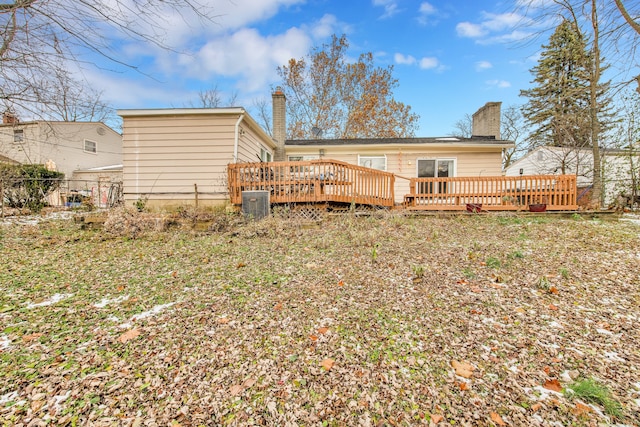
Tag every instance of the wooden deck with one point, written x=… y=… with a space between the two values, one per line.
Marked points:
x=314 y=181
x=503 y=193
x=335 y=182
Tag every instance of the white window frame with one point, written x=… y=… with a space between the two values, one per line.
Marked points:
x=265 y=155
x=442 y=188
x=362 y=161
x=95 y=146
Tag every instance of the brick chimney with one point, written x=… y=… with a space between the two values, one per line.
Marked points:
x=10 y=118
x=486 y=121
x=279 y=112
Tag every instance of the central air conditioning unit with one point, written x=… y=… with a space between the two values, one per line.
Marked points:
x=256 y=204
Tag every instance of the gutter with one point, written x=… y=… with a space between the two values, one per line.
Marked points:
x=237 y=137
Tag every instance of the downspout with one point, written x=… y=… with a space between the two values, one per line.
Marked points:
x=237 y=138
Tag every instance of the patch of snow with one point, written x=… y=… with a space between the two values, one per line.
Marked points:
x=543 y=393
x=5 y=342
x=555 y=324
x=155 y=310
x=8 y=397
x=612 y=355
x=513 y=369
x=566 y=377
x=54 y=299
x=58 y=399
x=106 y=301
x=604 y=331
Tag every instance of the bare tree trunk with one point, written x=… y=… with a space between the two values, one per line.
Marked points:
x=596 y=194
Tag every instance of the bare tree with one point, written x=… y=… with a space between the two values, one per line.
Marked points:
x=262 y=108
x=512 y=128
x=463 y=127
x=42 y=37
x=212 y=98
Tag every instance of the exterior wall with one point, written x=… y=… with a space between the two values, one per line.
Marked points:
x=62 y=142
x=402 y=161
x=166 y=156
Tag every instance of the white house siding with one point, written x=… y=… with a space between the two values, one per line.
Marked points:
x=62 y=142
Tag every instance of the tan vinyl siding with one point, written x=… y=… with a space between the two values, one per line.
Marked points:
x=166 y=156
x=469 y=161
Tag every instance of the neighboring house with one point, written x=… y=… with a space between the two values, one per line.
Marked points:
x=178 y=156
x=170 y=154
x=69 y=145
x=620 y=168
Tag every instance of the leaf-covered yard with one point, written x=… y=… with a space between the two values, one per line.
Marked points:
x=385 y=320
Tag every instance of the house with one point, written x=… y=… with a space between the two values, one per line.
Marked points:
x=178 y=156
x=480 y=155
x=69 y=145
x=620 y=169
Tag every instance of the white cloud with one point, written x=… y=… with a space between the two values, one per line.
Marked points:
x=426 y=10
x=390 y=7
x=428 y=63
x=247 y=56
x=502 y=84
x=404 y=59
x=467 y=29
x=483 y=65
x=491 y=23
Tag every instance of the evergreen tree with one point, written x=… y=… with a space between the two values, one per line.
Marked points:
x=558 y=106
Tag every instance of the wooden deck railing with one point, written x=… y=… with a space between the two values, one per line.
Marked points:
x=558 y=192
x=313 y=181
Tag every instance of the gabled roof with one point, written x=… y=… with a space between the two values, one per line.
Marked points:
x=448 y=141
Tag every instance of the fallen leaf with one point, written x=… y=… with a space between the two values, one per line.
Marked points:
x=129 y=335
x=476 y=289
x=553 y=307
x=463 y=369
x=553 y=290
x=553 y=385
x=436 y=418
x=249 y=382
x=463 y=386
x=475 y=312
x=278 y=307
x=313 y=337
x=520 y=310
x=120 y=288
x=340 y=283
x=31 y=337
x=547 y=369
x=462 y=282
x=222 y=321
x=241 y=264
x=174 y=274
x=327 y=364
x=496 y=418
x=581 y=409
x=235 y=390
x=323 y=330
x=536 y=406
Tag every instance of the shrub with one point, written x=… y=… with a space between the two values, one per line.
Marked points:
x=27 y=186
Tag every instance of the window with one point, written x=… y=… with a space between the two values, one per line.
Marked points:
x=90 y=146
x=434 y=168
x=18 y=135
x=374 y=162
x=265 y=155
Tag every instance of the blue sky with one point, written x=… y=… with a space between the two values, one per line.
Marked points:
x=450 y=57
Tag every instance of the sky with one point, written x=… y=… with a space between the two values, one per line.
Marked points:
x=450 y=57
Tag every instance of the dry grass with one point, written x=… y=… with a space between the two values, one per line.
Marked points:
x=386 y=320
